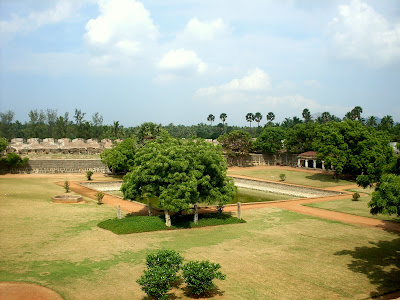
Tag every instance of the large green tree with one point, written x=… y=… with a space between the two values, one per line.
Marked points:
x=270 y=140
x=236 y=144
x=180 y=173
x=386 y=197
x=300 y=138
x=352 y=148
x=119 y=158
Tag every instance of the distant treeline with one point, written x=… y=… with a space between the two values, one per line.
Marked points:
x=49 y=124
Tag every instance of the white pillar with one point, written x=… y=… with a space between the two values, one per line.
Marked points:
x=299 y=162
x=314 y=164
x=323 y=165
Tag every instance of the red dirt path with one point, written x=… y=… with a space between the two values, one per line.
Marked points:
x=26 y=291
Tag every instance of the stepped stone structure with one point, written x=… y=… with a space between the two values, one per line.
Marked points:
x=60 y=146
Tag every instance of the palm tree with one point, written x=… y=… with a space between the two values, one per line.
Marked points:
x=371 y=122
x=258 y=118
x=250 y=118
x=270 y=117
x=326 y=117
x=223 y=117
x=306 y=115
x=210 y=118
x=356 y=112
x=386 y=123
x=116 y=129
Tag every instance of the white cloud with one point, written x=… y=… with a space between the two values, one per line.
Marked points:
x=255 y=81
x=124 y=28
x=205 y=30
x=181 y=61
x=287 y=85
x=312 y=83
x=61 y=11
x=360 y=33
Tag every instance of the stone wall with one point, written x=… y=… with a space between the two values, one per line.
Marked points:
x=52 y=166
x=60 y=146
x=95 y=165
x=252 y=160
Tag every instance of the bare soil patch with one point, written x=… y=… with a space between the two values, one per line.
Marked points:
x=24 y=291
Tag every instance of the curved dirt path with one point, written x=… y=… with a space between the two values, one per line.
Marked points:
x=128 y=206
x=292 y=205
x=26 y=291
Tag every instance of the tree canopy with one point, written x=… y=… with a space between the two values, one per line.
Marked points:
x=386 y=197
x=352 y=148
x=270 y=140
x=236 y=143
x=180 y=173
x=120 y=157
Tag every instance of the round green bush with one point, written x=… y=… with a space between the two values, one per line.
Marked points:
x=199 y=275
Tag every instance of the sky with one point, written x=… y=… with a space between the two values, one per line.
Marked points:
x=177 y=61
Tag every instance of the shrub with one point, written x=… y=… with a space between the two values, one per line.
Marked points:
x=99 y=197
x=282 y=177
x=199 y=275
x=356 y=196
x=165 y=258
x=13 y=160
x=156 y=281
x=66 y=186
x=89 y=175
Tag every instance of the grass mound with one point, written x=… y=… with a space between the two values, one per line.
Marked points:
x=135 y=224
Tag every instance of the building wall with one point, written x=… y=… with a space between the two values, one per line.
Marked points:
x=61 y=166
x=252 y=160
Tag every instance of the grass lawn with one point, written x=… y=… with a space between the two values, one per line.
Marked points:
x=292 y=176
x=358 y=208
x=277 y=254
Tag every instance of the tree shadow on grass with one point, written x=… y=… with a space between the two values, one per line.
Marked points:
x=323 y=178
x=380 y=263
x=215 y=291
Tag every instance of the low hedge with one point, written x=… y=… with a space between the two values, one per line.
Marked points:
x=135 y=224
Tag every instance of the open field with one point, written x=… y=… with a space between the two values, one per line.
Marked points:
x=301 y=177
x=276 y=254
x=358 y=208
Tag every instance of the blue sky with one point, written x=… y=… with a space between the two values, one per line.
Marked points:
x=171 y=61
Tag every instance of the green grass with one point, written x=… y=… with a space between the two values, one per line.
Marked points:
x=358 y=208
x=276 y=254
x=292 y=176
x=135 y=224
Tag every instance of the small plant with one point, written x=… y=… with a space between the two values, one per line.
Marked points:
x=161 y=272
x=66 y=186
x=165 y=258
x=99 y=197
x=356 y=196
x=89 y=175
x=199 y=275
x=156 y=282
x=282 y=177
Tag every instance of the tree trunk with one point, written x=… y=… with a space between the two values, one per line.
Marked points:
x=150 y=208
x=196 y=215
x=167 y=218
